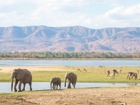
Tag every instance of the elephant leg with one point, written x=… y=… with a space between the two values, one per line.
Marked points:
x=53 y=86
x=69 y=86
x=19 y=87
x=30 y=84
x=16 y=82
x=73 y=85
x=59 y=86
x=56 y=86
x=24 y=84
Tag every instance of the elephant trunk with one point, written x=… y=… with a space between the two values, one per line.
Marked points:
x=65 y=81
x=12 y=84
x=50 y=85
x=13 y=76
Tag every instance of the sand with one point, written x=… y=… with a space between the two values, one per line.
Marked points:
x=33 y=68
x=91 y=96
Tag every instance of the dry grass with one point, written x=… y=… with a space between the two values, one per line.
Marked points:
x=95 y=69
x=32 y=68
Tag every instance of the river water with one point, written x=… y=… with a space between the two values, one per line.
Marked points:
x=6 y=86
x=69 y=62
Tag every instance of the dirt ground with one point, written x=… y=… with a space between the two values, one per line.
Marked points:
x=89 y=96
x=33 y=68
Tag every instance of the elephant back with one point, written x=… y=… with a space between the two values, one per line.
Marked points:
x=27 y=76
x=22 y=75
x=71 y=77
x=56 y=80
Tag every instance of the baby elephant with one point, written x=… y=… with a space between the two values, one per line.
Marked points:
x=55 y=82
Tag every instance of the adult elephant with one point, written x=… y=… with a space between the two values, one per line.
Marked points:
x=72 y=79
x=55 y=82
x=22 y=76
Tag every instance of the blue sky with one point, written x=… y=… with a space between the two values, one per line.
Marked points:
x=87 y=13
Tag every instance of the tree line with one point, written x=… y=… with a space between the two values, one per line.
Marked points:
x=59 y=55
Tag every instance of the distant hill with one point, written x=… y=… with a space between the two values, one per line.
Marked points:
x=69 y=39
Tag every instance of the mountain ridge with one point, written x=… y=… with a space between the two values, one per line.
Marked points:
x=69 y=39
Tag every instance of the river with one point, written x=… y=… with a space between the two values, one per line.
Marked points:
x=69 y=62
x=6 y=86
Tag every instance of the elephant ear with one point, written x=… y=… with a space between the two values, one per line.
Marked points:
x=14 y=74
x=67 y=73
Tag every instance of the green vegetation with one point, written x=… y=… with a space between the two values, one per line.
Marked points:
x=43 y=76
x=93 y=74
x=67 y=55
x=5 y=77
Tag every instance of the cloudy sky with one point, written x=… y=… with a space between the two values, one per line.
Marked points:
x=87 y=13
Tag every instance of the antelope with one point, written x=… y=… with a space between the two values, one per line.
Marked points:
x=112 y=75
x=132 y=75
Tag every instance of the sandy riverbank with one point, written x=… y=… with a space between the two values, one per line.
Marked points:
x=94 y=96
x=33 y=68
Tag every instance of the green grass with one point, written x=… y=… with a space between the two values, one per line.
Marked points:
x=93 y=74
x=98 y=77
x=5 y=77
x=43 y=76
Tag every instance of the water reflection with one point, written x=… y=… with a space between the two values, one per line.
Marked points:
x=132 y=84
x=6 y=86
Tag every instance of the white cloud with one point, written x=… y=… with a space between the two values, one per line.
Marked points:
x=8 y=18
x=59 y=13
x=120 y=17
x=124 y=12
x=68 y=12
x=47 y=12
x=7 y=2
x=133 y=10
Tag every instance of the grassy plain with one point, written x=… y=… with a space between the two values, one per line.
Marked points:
x=85 y=74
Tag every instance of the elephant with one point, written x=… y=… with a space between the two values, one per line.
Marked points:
x=55 y=82
x=22 y=76
x=72 y=79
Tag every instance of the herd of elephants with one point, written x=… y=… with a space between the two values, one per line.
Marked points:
x=23 y=76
